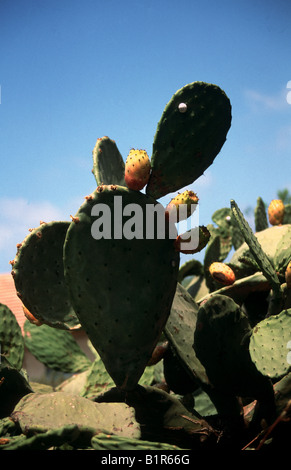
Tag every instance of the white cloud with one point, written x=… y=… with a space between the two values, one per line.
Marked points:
x=17 y=216
x=261 y=101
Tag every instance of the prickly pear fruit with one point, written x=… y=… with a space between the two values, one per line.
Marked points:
x=222 y=273
x=276 y=211
x=137 y=169
x=288 y=275
x=187 y=244
x=187 y=200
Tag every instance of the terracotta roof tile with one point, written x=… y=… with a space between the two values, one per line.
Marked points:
x=9 y=297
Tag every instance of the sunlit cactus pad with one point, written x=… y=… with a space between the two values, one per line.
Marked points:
x=270 y=345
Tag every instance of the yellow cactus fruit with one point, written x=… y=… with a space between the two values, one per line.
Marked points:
x=276 y=211
x=222 y=273
x=188 y=199
x=137 y=169
x=288 y=275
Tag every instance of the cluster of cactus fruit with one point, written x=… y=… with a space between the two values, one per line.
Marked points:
x=187 y=357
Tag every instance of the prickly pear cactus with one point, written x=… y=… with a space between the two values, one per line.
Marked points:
x=121 y=289
x=190 y=134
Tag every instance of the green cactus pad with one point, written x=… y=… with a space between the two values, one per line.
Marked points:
x=41 y=412
x=112 y=442
x=70 y=434
x=270 y=240
x=55 y=348
x=222 y=218
x=241 y=288
x=261 y=220
x=221 y=344
x=179 y=330
x=39 y=276
x=265 y=264
x=287 y=214
x=188 y=138
x=192 y=267
x=122 y=289
x=13 y=386
x=108 y=164
x=283 y=254
x=11 y=340
x=270 y=345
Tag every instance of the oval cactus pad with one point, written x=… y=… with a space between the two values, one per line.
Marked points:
x=39 y=276
x=270 y=345
x=121 y=289
x=190 y=134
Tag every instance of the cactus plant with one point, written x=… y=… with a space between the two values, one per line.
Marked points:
x=167 y=337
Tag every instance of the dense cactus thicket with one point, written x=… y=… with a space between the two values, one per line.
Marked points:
x=187 y=356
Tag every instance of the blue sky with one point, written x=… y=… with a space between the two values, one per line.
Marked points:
x=72 y=71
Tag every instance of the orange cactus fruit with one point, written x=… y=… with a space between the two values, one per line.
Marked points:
x=188 y=200
x=30 y=317
x=222 y=273
x=276 y=211
x=137 y=169
x=288 y=275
